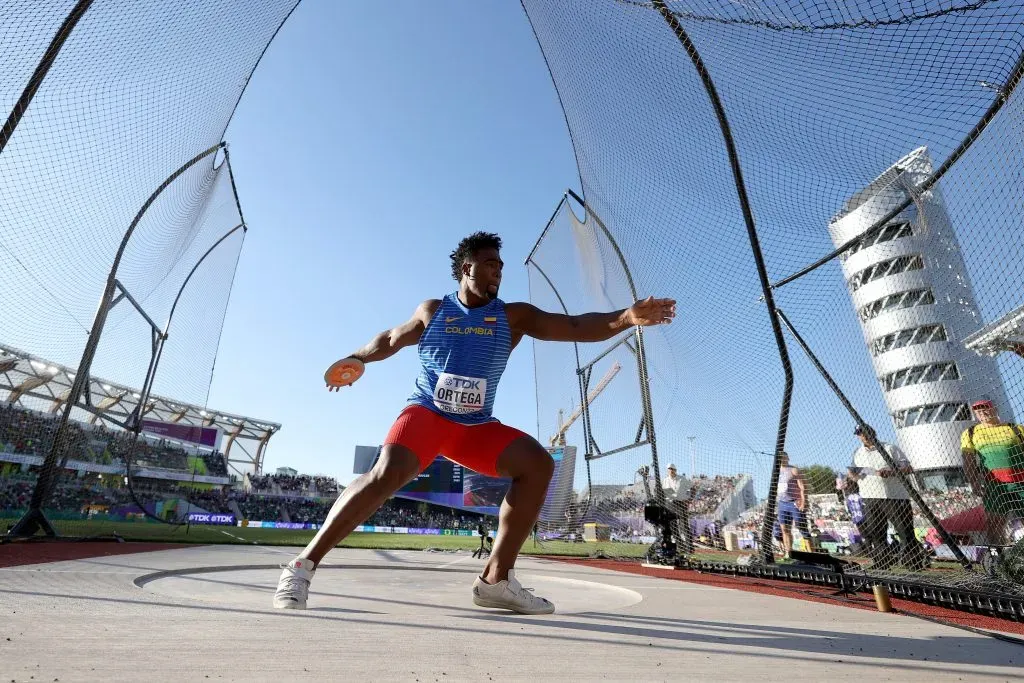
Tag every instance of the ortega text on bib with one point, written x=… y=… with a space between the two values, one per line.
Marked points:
x=458 y=394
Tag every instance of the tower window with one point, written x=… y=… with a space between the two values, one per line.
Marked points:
x=920 y=374
x=910 y=337
x=932 y=414
x=895 y=302
x=893 y=231
x=893 y=266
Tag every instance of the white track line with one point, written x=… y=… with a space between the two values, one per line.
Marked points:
x=290 y=553
x=461 y=559
x=261 y=547
x=237 y=538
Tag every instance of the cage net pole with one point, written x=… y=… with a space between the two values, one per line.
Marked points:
x=904 y=172
x=35 y=520
x=762 y=271
x=36 y=79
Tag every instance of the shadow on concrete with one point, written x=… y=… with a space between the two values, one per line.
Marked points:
x=788 y=645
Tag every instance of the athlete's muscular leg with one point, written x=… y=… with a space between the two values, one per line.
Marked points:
x=531 y=468
x=395 y=468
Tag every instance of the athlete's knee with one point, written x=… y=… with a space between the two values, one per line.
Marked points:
x=525 y=458
x=545 y=463
x=396 y=467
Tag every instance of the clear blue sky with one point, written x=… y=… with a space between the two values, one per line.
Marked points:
x=373 y=137
x=370 y=141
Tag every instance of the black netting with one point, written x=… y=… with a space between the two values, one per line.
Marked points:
x=112 y=161
x=892 y=130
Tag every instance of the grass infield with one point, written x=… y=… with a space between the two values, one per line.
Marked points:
x=207 y=534
x=154 y=531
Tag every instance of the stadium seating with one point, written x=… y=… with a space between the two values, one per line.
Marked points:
x=73 y=497
x=27 y=432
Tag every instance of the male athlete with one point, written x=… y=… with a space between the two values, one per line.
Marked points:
x=464 y=341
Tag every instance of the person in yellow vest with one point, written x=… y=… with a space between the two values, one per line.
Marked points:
x=993 y=456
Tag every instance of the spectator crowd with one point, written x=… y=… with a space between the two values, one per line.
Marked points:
x=709 y=493
x=311 y=486
x=27 y=432
x=76 y=496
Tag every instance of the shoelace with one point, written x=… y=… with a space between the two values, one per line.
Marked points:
x=530 y=591
x=294 y=584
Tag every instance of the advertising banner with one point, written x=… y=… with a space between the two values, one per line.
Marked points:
x=201 y=436
x=210 y=518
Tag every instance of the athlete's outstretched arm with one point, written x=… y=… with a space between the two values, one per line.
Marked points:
x=389 y=342
x=529 y=320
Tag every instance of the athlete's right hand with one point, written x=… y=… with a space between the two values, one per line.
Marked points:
x=343 y=373
x=651 y=311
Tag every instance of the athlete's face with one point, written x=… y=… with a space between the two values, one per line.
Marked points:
x=484 y=272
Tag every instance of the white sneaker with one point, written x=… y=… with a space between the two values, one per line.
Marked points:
x=509 y=594
x=293 y=587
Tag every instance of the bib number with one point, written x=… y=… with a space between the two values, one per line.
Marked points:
x=460 y=395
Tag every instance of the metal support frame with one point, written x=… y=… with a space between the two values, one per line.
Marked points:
x=762 y=271
x=583 y=371
x=34 y=519
x=872 y=435
x=640 y=353
x=160 y=336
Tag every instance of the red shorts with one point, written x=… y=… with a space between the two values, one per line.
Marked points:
x=429 y=435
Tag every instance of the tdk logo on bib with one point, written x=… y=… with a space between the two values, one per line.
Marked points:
x=458 y=394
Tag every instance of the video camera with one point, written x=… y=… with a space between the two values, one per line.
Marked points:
x=664 y=550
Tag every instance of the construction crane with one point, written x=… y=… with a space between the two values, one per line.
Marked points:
x=558 y=438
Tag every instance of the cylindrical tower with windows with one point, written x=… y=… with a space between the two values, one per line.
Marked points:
x=912 y=295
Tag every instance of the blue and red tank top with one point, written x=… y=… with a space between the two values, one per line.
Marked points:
x=463 y=353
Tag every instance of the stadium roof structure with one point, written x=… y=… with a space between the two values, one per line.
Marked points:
x=23 y=376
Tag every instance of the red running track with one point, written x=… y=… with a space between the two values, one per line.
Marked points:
x=37 y=552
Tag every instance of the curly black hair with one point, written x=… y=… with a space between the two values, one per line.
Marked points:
x=469 y=246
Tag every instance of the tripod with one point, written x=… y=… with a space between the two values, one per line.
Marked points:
x=485 y=546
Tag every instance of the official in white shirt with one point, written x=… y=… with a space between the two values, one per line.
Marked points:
x=677 y=496
x=885 y=501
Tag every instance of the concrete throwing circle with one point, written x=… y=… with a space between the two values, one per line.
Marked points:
x=377 y=589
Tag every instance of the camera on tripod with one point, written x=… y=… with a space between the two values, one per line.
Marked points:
x=659 y=515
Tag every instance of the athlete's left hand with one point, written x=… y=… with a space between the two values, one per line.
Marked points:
x=651 y=311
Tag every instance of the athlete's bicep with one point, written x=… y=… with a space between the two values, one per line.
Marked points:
x=527 y=319
x=409 y=332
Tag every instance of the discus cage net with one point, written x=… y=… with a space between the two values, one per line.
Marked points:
x=120 y=232
x=832 y=193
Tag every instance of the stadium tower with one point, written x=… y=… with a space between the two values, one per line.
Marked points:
x=913 y=297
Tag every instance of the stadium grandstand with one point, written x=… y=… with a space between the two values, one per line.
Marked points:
x=615 y=512
x=833 y=526
x=95 y=496
x=187 y=459
x=38 y=388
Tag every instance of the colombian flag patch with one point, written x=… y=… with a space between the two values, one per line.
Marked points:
x=491 y=320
